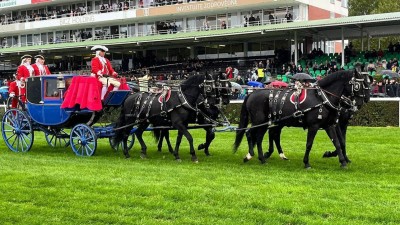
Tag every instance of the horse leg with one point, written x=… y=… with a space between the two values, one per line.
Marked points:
x=271 y=143
x=342 y=128
x=260 y=135
x=139 y=134
x=160 y=140
x=210 y=135
x=277 y=140
x=170 y=149
x=343 y=143
x=182 y=128
x=177 y=144
x=125 y=145
x=275 y=137
x=312 y=131
x=334 y=138
x=251 y=141
x=209 y=138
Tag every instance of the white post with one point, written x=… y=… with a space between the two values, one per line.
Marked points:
x=342 y=46
x=295 y=48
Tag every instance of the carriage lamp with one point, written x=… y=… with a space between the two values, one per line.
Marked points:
x=60 y=82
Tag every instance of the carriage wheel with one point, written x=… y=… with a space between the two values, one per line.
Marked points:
x=58 y=138
x=131 y=141
x=17 y=130
x=83 y=140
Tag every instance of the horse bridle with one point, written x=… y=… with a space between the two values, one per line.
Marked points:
x=223 y=85
x=208 y=90
x=358 y=88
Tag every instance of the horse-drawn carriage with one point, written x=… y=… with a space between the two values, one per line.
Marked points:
x=65 y=107
x=62 y=126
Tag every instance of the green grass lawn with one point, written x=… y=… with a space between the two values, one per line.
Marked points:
x=53 y=186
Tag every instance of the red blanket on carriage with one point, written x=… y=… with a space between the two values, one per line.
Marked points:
x=86 y=92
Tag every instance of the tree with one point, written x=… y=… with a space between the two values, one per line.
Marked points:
x=362 y=7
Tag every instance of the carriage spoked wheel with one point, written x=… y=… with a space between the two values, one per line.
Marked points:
x=83 y=140
x=17 y=130
x=57 y=138
x=131 y=141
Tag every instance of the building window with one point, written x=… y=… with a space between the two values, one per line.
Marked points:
x=344 y=3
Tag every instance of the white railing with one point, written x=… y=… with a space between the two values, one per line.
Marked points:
x=140 y=34
x=397 y=99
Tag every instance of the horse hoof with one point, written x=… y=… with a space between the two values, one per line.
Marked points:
x=143 y=156
x=245 y=160
x=178 y=160
x=263 y=161
x=348 y=160
x=208 y=155
x=200 y=147
x=283 y=157
x=326 y=155
x=307 y=166
x=195 y=161
x=127 y=156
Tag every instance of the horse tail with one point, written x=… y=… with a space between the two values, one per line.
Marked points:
x=244 y=121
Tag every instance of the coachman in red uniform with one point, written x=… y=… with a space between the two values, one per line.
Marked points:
x=17 y=87
x=102 y=70
x=39 y=67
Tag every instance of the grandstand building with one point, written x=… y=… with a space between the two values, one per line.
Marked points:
x=157 y=30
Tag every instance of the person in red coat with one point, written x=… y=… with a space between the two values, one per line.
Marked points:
x=17 y=87
x=102 y=70
x=39 y=68
x=229 y=72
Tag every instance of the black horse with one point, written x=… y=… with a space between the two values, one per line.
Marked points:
x=208 y=118
x=144 y=108
x=347 y=113
x=360 y=97
x=317 y=108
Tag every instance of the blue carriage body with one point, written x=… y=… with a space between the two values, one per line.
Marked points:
x=44 y=100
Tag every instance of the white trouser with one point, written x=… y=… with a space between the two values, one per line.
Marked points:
x=106 y=81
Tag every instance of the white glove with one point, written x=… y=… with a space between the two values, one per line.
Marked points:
x=12 y=94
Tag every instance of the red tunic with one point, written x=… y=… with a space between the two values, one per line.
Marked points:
x=23 y=72
x=18 y=91
x=229 y=72
x=37 y=71
x=99 y=69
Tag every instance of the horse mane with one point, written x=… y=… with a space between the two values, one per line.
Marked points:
x=191 y=81
x=339 y=75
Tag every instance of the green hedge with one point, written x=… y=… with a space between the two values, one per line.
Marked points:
x=373 y=114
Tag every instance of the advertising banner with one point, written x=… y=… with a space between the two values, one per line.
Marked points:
x=40 y=1
x=11 y=3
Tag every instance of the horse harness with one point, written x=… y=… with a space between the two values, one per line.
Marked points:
x=276 y=103
x=208 y=87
